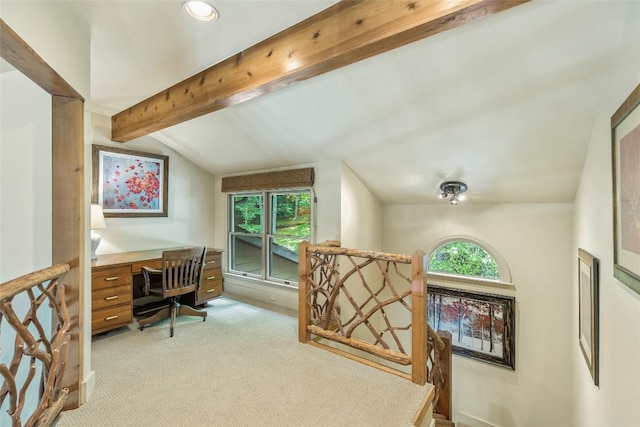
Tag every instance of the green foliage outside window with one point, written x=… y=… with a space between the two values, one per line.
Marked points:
x=248 y=213
x=293 y=219
x=292 y=213
x=464 y=258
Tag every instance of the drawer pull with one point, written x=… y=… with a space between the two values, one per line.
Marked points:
x=210 y=290
x=111 y=317
x=112 y=297
x=211 y=262
x=112 y=278
x=211 y=278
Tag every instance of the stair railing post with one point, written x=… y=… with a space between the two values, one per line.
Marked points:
x=443 y=405
x=304 y=308
x=418 y=319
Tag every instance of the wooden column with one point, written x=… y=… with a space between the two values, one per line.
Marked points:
x=68 y=224
x=304 y=311
x=418 y=319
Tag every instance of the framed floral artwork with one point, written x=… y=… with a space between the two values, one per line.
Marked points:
x=625 y=154
x=130 y=183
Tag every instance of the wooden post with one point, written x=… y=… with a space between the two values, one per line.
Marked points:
x=443 y=405
x=68 y=232
x=418 y=319
x=304 y=311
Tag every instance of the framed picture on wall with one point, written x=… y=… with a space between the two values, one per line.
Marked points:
x=588 y=310
x=130 y=183
x=625 y=154
x=482 y=326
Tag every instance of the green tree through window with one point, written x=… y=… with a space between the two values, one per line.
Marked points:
x=464 y=258
x=265 y=231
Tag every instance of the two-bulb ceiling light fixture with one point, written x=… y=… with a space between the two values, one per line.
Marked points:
x=453 y=191
x=200 y=10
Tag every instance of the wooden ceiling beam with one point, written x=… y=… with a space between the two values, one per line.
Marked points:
x=342 y=34
x=19 y=54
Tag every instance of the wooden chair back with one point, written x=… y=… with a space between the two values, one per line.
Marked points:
x=181 y=270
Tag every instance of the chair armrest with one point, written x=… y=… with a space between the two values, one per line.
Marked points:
x=146 y=273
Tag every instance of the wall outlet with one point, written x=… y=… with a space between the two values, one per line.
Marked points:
x=272 y=298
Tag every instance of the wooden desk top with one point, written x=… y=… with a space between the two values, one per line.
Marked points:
x=124 y=258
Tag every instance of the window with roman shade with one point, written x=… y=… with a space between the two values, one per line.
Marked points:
x=269 y=215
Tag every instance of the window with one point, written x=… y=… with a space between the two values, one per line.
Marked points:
x=463 y=257
x=265 y=230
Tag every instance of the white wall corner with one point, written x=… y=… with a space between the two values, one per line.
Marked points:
x=87 y=386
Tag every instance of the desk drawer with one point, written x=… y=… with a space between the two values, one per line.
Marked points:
x=109 y=318
x=212 y=260
x=109 y=297
x=210 y=278
x=136 y=267
x=211 y=284
x=110 y=277
x=206 y=294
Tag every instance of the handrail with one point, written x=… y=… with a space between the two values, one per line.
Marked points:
x=330 y=249
x=34 y=347
x=435 y=337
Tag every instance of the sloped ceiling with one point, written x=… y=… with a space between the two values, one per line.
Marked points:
x=505 y=104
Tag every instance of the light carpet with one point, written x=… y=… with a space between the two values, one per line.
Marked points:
x=243 y=366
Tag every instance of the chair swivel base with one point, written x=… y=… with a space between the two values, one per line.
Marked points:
x=171 y=312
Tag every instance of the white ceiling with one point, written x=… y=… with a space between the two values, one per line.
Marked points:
x=505 y=104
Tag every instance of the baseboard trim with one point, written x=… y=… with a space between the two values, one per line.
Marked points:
x=471 y=421
x=86 y=387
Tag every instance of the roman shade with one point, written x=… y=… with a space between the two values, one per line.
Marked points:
x=293 y=178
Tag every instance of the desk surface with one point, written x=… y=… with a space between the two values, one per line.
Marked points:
x=123 y=258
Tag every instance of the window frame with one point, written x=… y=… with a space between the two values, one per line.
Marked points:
x=440 y=278
x=267 y=234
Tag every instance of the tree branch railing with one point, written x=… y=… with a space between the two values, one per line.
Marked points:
x=35 y=350
x=373 y=302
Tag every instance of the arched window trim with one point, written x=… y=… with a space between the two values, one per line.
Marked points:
x=503 y=268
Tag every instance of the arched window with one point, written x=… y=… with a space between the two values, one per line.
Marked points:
x=465 y=257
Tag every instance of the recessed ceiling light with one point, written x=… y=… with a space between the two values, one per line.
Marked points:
x=200 y=10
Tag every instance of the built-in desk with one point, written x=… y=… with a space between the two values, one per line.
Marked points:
x=116 y=280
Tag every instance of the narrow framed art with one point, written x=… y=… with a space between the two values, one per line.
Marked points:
x=130 y=183
x=625 y=154
x=589 y=310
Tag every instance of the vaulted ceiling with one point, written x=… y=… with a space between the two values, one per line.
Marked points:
x=505 y=103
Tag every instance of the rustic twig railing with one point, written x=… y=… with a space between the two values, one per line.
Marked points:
x=35 y=351
x=367 y=300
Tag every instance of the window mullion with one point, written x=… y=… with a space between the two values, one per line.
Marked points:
x=266 y=214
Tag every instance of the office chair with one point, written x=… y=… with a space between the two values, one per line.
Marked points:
x=180 y=274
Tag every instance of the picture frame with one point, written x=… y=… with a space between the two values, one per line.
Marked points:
x=589 y=310
x=129 y=183
x=625 y=155
x=482 y=325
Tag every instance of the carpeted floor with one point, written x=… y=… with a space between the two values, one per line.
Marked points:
x=242 y=367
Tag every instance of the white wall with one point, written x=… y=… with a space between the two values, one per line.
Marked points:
x=616 y=402
x=25 y=207
x=25 y=163
x=535 y=241
x=361 y=214
x=190 y=219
